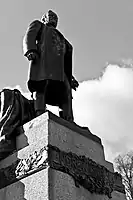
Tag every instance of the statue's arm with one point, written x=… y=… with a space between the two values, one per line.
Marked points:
x=29 y=41
x=69 y=49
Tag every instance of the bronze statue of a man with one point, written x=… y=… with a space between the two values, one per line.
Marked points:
x=50 y=74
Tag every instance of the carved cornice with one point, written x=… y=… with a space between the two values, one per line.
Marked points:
x=87 y=173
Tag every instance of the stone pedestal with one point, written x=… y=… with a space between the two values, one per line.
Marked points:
x=57 y=160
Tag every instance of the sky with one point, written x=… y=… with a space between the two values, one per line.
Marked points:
x=100 y=32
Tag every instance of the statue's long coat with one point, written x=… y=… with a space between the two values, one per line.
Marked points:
x=55 y=53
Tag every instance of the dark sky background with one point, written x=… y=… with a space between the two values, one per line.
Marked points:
x=100 y=31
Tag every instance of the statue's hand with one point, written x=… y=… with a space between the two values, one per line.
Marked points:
x=74 y=83
x=32 y=56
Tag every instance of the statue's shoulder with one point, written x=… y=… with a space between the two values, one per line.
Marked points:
x=35 y=23
x=68 y=45
x=68 y=42
x=58 y=32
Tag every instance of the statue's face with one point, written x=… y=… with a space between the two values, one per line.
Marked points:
x=50 y=18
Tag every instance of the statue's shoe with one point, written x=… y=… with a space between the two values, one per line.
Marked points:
x=7 y=147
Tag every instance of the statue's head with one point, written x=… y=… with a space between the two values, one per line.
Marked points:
x=50 y=18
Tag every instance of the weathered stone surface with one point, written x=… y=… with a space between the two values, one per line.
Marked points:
x=85 y=172
x=64 y=188
x=47 y=130
x=47 y=184
x=34 y=187
x=68 y=140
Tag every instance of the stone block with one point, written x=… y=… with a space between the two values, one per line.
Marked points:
x=47 y=184
x=50 y=129
x=34 y=187
x=56 y=182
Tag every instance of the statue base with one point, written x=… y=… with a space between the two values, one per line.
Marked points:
x=56 y=159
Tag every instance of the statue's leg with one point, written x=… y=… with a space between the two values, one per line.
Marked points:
x=67 y=112
x=40 y=101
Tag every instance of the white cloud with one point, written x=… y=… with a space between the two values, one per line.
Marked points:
x=106 y=107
